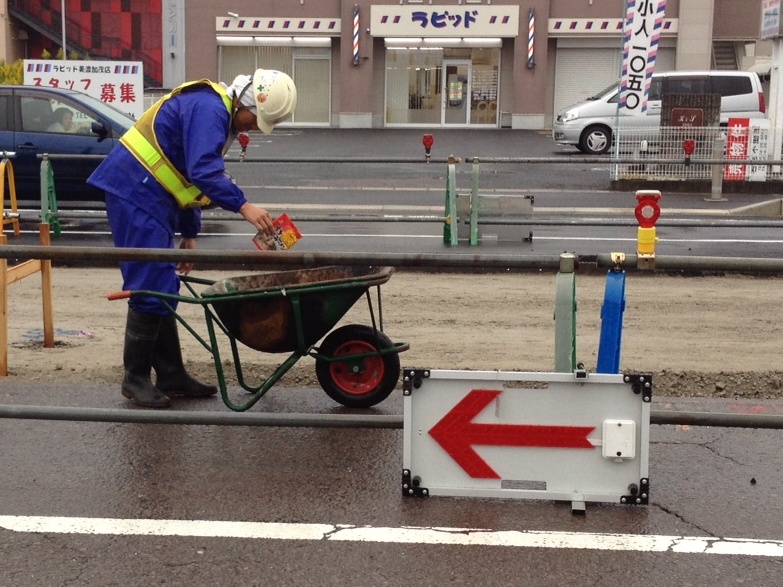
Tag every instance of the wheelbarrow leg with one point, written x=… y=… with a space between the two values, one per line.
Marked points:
x=172 y=378
x=141 y=334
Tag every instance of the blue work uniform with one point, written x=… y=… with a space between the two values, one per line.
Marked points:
x=192 y=129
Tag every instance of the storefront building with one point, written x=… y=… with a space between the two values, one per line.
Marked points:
x=458 y=63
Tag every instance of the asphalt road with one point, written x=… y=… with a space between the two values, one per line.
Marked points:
x=383 y=197
x=95 y=503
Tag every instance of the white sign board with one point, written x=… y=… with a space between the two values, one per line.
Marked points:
x=425 y=20
x=770 y=19
x=641 y=36
x=119 y=83
x=758 y=148
x=527 y=435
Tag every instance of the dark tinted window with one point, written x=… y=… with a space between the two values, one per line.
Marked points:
x=731 y=85
x=5 y=113
x=687 y=85
x=36 y=114
x=655 y=90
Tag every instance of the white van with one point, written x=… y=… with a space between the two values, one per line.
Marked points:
x=589 y=124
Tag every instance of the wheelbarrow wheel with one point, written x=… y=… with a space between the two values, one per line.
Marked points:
x=359 y=383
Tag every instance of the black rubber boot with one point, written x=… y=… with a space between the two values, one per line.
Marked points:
x=172 y=379
x=141 y=334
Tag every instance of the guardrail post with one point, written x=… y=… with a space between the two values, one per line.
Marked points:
x=49 y=213
x=474 y=204
x=450 y=224
x=716 y=190
x=565 y=315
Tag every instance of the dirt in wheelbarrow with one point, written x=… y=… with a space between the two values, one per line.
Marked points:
x=705 y=335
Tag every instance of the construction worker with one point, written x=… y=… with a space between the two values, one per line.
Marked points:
x=165 y=169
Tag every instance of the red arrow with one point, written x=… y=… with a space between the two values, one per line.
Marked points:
x=456 y=434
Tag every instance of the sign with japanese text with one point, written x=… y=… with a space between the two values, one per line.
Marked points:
x=641 y=35
x=770 y=19
x=118 y=83
x=737 y=138
x=526 y=435
x=746 y=139
x=444 y=21
x=758 y=148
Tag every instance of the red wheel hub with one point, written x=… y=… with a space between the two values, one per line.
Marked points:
x=360 y=376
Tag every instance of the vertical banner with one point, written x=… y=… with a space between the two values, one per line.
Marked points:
x=356 y=34
x=531 y=44
x=737 y=140
x=641 y=35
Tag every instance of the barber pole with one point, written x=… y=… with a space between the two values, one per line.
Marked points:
x=356 y=34
x=531 y=33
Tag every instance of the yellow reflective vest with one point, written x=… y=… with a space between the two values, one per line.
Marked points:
x=141 y=141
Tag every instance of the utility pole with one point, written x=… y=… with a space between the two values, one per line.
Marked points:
x=62 y=14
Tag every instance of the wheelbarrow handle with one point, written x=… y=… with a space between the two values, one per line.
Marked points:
x=119 y=295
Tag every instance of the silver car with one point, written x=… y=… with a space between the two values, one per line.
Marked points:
x=589 y=125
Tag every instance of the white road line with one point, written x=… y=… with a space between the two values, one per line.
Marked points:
x=404 y=535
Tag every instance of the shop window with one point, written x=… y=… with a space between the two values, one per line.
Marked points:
x=310 y=68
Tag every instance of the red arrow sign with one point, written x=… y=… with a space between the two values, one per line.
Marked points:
x=456 y=434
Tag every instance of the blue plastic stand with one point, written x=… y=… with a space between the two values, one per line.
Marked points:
x=611 y=323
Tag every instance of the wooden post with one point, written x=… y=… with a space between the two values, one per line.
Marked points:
x=3 y=312
x=46 y=289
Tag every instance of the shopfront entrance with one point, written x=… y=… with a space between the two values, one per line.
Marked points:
x=445 y=86
x=456 y=90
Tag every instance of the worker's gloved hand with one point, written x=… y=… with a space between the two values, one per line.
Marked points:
x=258 y=217
x=186 y=243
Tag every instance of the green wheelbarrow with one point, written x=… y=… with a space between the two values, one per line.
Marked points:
x=289 y=312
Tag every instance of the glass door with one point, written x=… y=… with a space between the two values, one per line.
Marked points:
x=456 y=92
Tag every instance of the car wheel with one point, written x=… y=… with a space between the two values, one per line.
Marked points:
x=595 y=140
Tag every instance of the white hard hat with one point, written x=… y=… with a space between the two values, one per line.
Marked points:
x=275 y=96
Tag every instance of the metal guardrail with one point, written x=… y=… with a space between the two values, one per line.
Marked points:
x=412 y=260
x=298 y=420
x=540 y=218
x=494 y=160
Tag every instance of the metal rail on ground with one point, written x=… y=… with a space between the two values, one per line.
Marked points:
x=298 y=420
x=432 y=261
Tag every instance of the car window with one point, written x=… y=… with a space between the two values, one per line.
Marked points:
x=67 y=118
x=731 y=85
x=605 y=92
x=655 y=89
x=36 y=114
x=5 y=110
x=687 y=85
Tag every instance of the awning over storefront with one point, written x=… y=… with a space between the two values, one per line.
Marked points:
x=443 y=42
x=234 y=23
x=276 y=41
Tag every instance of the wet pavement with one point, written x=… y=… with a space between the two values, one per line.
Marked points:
x=311 y=484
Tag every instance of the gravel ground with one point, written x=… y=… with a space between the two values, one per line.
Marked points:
x=700 y=336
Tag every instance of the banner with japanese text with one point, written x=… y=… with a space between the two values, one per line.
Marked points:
x=641 y=35
x=118 y=83
x=737 y=135
x=746 y=139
